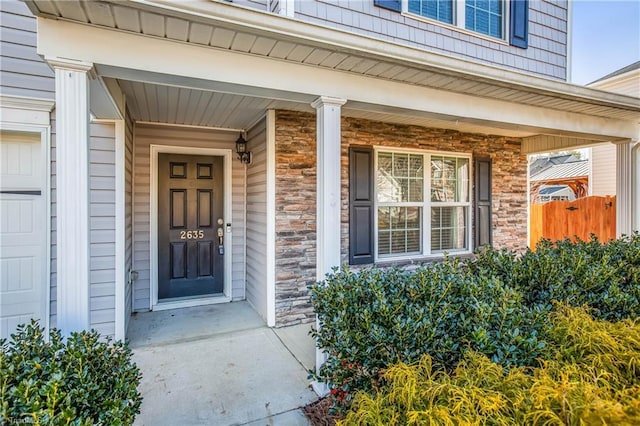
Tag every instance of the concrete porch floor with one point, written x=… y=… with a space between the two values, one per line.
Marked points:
x=220 y=365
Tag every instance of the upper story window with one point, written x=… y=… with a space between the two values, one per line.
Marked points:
x=482 y=16
x=440 y=10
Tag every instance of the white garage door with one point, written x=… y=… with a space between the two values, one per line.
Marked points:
x=23 y=216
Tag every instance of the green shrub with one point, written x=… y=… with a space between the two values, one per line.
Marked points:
x=606 y=277
x=375 y=318
x=591 y=379
x=80 y=381
x=496 y=304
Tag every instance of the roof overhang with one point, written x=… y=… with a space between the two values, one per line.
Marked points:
x=341 y=64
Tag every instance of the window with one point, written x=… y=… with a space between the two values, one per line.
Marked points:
x=421 y=212
x=481 y=16
x=484 y=16
x=440 y=10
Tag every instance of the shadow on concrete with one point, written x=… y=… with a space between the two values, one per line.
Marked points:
x=220 y=365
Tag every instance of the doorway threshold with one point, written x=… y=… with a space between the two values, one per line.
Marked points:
x=187 y=302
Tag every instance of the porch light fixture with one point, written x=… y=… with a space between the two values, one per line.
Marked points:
x=241 y=149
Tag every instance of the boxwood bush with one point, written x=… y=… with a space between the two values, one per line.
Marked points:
x=82 y=380
x=496 y=304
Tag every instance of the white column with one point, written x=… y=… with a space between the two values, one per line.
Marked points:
x=328 y=184
x=624 y=188
x=72 y=194
x=328 y=196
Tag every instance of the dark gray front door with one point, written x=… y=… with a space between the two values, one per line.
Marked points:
x=190 y=226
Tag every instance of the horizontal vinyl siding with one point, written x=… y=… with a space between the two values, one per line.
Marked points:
x=545 y=56
x=102 y=197
x=22 y=71
x=128 y=216
x=603 y=175
x=257 y=220
x=146 y=135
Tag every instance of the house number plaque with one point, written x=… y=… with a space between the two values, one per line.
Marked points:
x=192 y=235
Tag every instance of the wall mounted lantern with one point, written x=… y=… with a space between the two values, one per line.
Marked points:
x=241 y=149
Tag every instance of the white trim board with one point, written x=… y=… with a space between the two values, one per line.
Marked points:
x=227 y=155
x=121 y=227
x=271 y=218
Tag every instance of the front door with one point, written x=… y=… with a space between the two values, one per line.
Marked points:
x=190 y=226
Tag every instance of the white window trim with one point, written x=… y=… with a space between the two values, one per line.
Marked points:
x=459 y=21
x=426 y=205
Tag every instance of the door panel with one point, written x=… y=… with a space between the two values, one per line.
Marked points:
x=190 y=203
x=23 y=251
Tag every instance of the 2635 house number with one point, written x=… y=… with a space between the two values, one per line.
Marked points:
x=192 y=235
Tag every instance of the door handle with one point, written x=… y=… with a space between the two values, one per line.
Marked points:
x=220 y=241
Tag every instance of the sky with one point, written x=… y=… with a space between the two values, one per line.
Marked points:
x=606 y=37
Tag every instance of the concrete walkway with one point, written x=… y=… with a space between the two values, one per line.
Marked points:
x=220 y=365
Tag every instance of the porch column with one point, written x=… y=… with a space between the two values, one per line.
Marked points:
x=624 y=188
x=328 y=184
x=72 y=194
x=328 y=195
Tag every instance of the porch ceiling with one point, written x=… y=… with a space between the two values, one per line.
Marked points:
x=226 y=26
x=186 y=106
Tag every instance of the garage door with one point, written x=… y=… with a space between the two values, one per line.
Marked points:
x=23 y=216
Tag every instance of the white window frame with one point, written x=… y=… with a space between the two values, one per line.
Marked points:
x=459 y=21
x=426 y=205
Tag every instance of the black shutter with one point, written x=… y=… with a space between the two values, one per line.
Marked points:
x=519 y=28
x=360 y=205
x=483 y=202
x=395 y=5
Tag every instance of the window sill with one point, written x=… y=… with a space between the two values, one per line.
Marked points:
x=456 y=28
x=417 y=261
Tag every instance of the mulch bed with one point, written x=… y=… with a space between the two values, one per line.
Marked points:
x=319 y=414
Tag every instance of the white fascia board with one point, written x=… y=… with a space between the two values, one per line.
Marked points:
x=250 y=75
x=294 y=30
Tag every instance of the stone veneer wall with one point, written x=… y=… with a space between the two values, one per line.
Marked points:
x=296 y=193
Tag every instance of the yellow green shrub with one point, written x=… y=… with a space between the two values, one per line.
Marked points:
x=591 y=378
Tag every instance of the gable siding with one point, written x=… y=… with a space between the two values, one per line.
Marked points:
x=545 y=56
x=257 y=219
x=22 y=71
x=144 y=136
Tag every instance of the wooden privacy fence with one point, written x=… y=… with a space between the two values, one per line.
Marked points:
x=557 y=220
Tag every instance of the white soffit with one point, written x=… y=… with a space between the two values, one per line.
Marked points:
x=226 y=26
